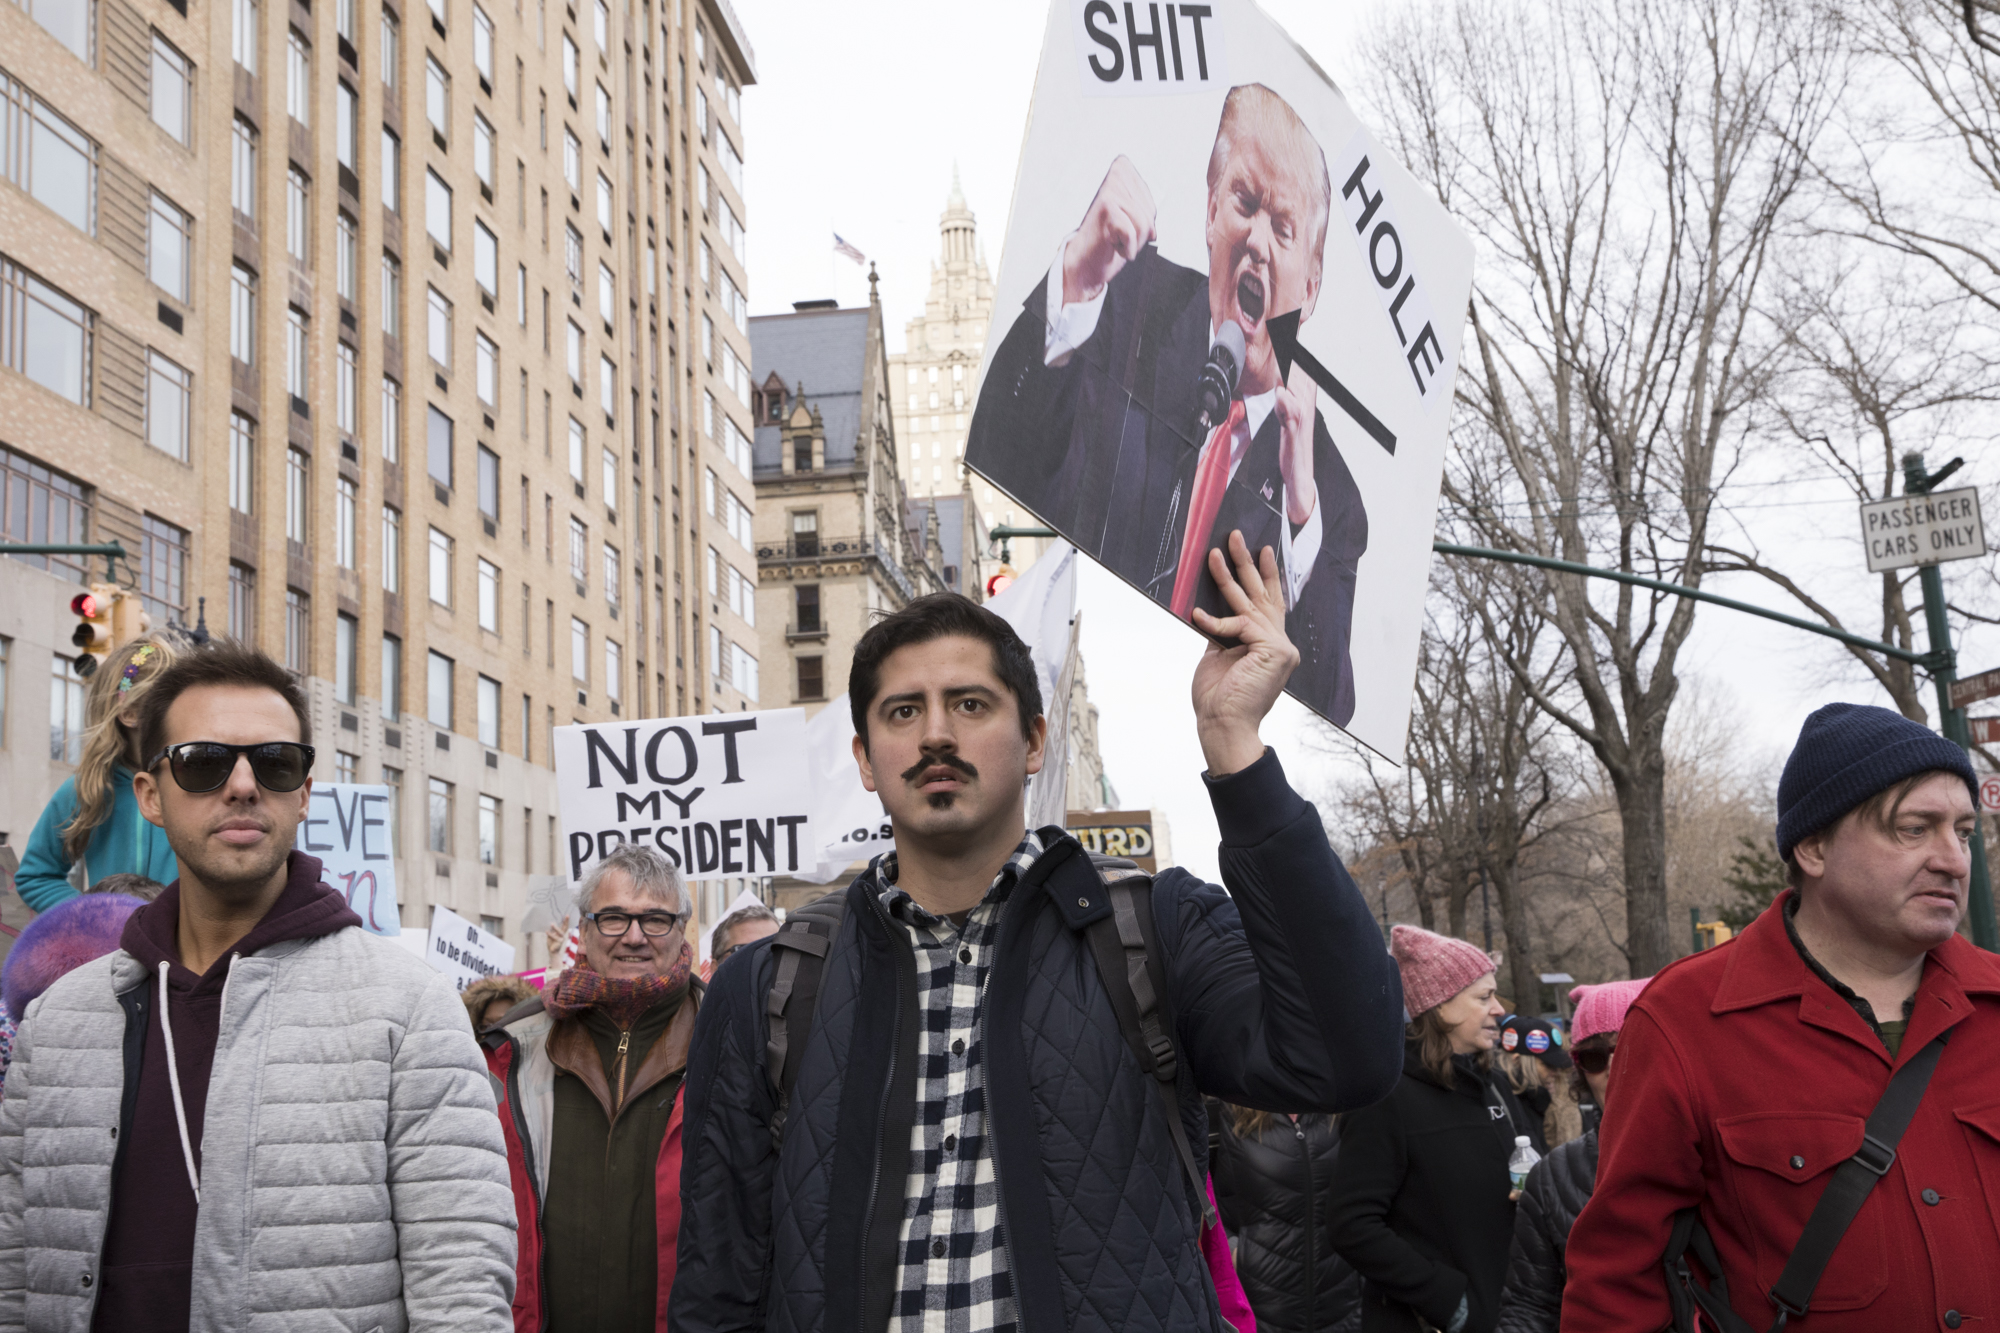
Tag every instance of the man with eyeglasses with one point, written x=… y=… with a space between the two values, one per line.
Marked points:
x=590 y=1077
x=252 y=1105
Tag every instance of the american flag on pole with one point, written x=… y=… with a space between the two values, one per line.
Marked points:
x=842 y=247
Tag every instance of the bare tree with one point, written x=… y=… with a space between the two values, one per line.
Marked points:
x=1626 y=170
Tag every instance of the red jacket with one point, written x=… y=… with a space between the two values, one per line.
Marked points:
x=519 y=1058
x=1737 y=1063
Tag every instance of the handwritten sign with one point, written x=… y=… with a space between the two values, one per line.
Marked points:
x=725 y=794
x=347 y=828
x=463 y=952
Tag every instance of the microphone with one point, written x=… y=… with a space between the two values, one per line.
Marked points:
x=1219 y=374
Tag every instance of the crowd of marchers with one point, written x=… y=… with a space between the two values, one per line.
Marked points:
x=993 y=1085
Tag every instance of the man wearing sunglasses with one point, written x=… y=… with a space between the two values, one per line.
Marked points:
x=252 y=1105
x=591 y=1075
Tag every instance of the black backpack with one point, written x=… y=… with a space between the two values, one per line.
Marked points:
x=1127 y=962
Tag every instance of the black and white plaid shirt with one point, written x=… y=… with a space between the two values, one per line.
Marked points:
x=952 y=1275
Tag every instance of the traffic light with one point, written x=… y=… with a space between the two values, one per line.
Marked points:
x=93 y=629
x=997 y=582
x=129 y=619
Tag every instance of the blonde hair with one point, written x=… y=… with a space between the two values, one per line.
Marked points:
x=115 y=687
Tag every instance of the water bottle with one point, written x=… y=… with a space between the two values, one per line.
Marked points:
x=1522 y=1162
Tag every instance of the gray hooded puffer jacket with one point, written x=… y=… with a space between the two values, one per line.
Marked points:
x=353 y=1176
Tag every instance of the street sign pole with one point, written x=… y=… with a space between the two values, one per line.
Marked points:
x=1979 y=907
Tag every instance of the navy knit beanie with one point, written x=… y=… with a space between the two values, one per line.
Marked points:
x=1848 y=752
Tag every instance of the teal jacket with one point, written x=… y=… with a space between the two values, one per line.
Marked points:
x=124 y=842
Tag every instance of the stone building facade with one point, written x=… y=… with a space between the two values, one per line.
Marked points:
x=411 y=340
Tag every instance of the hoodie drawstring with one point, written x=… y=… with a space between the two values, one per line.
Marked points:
x=174 y=1081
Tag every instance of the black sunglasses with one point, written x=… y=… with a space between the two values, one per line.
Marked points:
x=1591 y=1062
x=203 y=766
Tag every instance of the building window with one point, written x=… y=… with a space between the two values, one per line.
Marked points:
x=243 y=314
x=392 y=778
x=242 y=602
x=573 y=260
x=572 y=161
x=489 y=840
x=168 y=244
x=392 y=45
x=346 y=124
x=298 y=496
x=392 y=549
x=346 y=767
x=173 y=89
x=440 y=568
x=812 y=678
x=489 y=484
x=346 y=634
x=298 y=630
x=71 y=22
x=298 y=216
x=611 y=582
x=392 y=296
x=607 y=295
x=298 y=365
x=806 y=601
x=437 y=698
x=47 y=156
x=243 y=169
x=168 y=389
x=65 y=710
x=610 y=462
x=805 y=533
x=489 y=596
x=345 y=388
x=569 y=65
x=438 y=448
x=242 y=463
x=440 y=816
x=392 y=419
x=603 y=114
x=607 y=386
x=486 y=370
x=346 y=259
x=614 y=673
x=437 y=97
x=344 y=500
x=392 y=678
x=604 y=202
x=47 y=335
x=437 y=210
x=163 y=570
x=579 y=651
x=576 y=443
x=482 y=150
x=482 y=44
x=573 y=350
x=438 y=328
x=601 y=25
x=392 y=171
x=298 y=77
x=488 y=704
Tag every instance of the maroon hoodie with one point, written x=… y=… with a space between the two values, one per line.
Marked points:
x=146 y=1271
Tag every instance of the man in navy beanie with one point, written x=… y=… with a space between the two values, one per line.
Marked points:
x=1746 y=1074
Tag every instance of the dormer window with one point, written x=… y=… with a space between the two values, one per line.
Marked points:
x=774 y=406
x=802 y=453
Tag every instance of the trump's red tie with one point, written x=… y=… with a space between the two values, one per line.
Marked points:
x=1211 y=479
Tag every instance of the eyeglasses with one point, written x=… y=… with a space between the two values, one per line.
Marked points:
x=203 y=766
x=611 y=925
x=1591 y=1062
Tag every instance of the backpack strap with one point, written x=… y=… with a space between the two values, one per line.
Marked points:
x=800 y=949
x=1853 y=1181
x=1128 y=963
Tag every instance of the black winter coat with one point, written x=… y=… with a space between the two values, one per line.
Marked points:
x=1273 y=1189
x=1420 y=1204
x=1531 y=1299
x=1282 y=996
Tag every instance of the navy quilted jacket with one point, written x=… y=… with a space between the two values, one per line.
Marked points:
x=1283 y=997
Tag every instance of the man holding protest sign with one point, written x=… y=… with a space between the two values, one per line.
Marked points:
x=591 y=1078
x=963 y=1133
x=252 y=1105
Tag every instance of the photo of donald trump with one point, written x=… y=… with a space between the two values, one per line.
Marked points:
x=1139 y=408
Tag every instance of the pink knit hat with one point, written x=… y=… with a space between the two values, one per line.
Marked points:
x=1434 y=967
x=1602 y=1008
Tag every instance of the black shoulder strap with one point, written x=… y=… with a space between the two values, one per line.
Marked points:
x=1128 y=962
x=1853 y=1181
x=800 y=949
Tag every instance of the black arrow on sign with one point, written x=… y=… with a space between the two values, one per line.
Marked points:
x=1284 y=331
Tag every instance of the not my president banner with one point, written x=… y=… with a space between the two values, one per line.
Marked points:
x=722 y=795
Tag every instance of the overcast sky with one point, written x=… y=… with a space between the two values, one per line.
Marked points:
x=855 y=126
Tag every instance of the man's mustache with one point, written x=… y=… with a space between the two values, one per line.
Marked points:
x=939 y=761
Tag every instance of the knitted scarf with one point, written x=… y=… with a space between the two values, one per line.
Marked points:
x=621 y=999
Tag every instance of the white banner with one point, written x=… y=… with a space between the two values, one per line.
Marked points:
x=463 y=952
x=723 y=794
x=347 y=828
x=1207 y=248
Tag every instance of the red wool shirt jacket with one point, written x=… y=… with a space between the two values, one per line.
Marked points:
x=1742 y=1080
